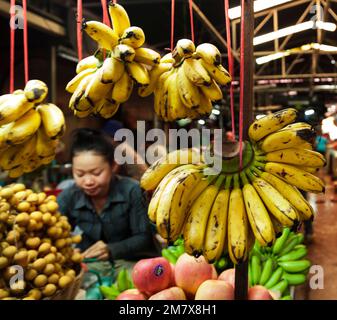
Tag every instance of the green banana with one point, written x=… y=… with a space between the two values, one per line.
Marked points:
x=287 y=297
x=275 y=278
x=280 y=287
x=109 y=293
x=256 y=269
x=294 y=279
x=295 y=266
x=266 y=271
x=168 y=255
x=280 y=242
x=122 y=281
x=250 y=276
x=289 y=246
x=295 y=254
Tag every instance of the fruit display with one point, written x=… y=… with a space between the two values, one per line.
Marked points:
x=34 y=236
x=106 y=79
x=280 y=266
x=223 y=212
x=29 y=129
x=187 y=81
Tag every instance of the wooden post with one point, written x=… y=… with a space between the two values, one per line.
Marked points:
x=241 y=273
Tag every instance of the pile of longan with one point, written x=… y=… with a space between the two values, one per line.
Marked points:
x=35 y=236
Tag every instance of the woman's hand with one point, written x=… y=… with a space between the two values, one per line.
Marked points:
x=99 y=250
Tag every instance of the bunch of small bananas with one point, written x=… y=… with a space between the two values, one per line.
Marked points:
x=103 y=83
x=187 y=81
x=281 y=265
x=216 y=213
x=29 y=129
x=34 y=236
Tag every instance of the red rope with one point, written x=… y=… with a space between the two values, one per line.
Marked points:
x=191 y=19
x=106 y=19
x=172 y=24
x=242 y=77
x=12 y=47
x=230 y=65
x=79 y=29
x=25 y=39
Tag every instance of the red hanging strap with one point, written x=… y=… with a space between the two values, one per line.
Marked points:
x=25 y=39
x=190 y=2
x=242 y=77
x=12 y=46
x=106 y=19
x=79 y=29
x=230 y=65
x=172 y=23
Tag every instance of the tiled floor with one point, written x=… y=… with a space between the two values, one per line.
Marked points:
x=323 y=249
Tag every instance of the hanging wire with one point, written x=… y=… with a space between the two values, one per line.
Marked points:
x=172 y=23
x=242 y=77
x=190 y=3
x=79 y=29
x=12 y=47
x=25 y=39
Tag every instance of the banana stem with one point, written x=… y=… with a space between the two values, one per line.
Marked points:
x=260 y=158
x=257 y=171
x=219 y=181
x=260 y=164
x=244 y=178
x=228 y=182
x=236 y=181
x=250 y=175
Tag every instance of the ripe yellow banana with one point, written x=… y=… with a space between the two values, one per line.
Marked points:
x=196 y=72
x=122 y=90
x=213 y=91
x=298 y=157
x=123 y=53
x=32 y=163
x=90 y=62
x=185 y=48
x=271 y=123
x=297 y=125
x=209 y=53
x=160 y=168
x=196 y=223
x=167 y=58
x=74 y=82
x=170 y=214
x=119 y=18
x=112 y=70
x=45 y=146
x=16 y=172
x=286 y=139
x=237 y=225
x=133 y=36
x=154 y=75
x=75 y=102
x=36 y=91
x=205 y=105
x=218 y=73
x=216 y=230
x=189 y=93
x=290 y=193
x=161 y=95
x=83 y=114
x=4 y=130
x=24 y=127
x=277 y=205
x=138 y=73
x=147 y=56
x=101 y=33
x=96 y=89
x=15 y=155
x=296 y=177
x=258 y=215
x=107 y=108
x=52 y=120
x=4 y=97
x=14 y=107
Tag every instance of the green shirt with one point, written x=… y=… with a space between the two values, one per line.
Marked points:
x=123 y=223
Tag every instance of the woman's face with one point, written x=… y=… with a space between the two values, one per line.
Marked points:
x=92 y=173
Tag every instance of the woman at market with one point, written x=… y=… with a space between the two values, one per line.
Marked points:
x=108 y=210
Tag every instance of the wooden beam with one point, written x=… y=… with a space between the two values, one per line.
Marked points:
x=293 y=76
x=241 y=269
x=263 y=22
x=36 y=21
x=275 y=25
x=211 y=27
x=332 y=13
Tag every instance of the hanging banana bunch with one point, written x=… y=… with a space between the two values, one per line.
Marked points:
x=101 y=85
x=225 y=212
x=186 y=81
x=29 y=129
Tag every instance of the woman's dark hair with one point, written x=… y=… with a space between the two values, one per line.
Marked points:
x=85 y=139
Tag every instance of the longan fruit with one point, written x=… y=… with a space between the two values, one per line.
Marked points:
x=71 y=273
x=4 y=206
x=32 y=255
x=4 y=293
x=41 y=197
x=30 y=274
x=9 y=252
x=53 y=249
x=4 y=216
x=49 y=269
x=52 y=206
x=76 y=239
x=33 y=243
x=22 y=219
x=39 y=264
x=51 y=198
x=43 y=208
x=3 y=262
x=32 y=225
x=21 y=258
x=13 y=236
x=6 y=193
x=49 y=290
x=64 y=282
x=60 y=243
x=18 y=187
x=35 y=293
x=36 y=215
x=54 y=278
x=40 y=281
x=44 y=248
x=76 y=257
x=46 y=218
x=50 y=258
x=23 y=206
x=33 y=198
